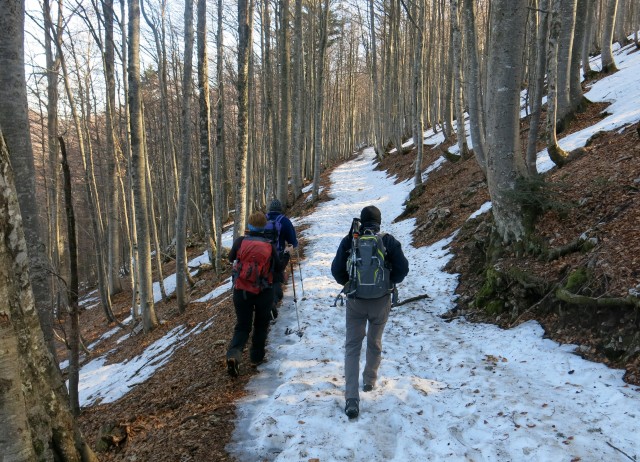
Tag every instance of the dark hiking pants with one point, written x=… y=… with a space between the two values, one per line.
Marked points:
x=364 y=318
x=251 y=310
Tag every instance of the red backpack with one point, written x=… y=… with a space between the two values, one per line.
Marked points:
x=252 y=267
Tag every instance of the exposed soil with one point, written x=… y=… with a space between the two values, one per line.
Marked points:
x=186 y=411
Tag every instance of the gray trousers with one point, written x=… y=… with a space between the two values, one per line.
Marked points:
x=364 y=317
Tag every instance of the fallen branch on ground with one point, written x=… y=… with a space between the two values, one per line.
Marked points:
x=412 y=299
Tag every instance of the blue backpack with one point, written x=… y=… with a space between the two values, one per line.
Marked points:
x=272 y=231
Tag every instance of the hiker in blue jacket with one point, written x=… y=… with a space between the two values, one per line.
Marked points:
x=283 y=233
x=366 y=316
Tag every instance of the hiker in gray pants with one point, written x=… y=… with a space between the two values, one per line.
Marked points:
x=367 y=307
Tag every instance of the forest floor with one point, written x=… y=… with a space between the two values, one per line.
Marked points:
x=186 y=410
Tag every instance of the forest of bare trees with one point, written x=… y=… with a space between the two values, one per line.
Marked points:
x=162 y=155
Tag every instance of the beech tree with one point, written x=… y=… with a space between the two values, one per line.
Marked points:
x=185 y=161
x=245 y=22
x=14 y=122
x=507 y=39
x=608 y=63
x=35 y=418
x=138 y=173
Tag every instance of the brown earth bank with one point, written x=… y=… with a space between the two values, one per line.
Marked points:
x=186 y=410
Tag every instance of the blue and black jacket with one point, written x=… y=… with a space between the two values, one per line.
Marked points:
x=395 y=259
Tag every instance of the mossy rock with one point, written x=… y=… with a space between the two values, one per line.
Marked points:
x=493 y=281
x=494 y=307
x=576 y=280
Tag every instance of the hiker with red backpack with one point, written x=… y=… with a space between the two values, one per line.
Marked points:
x=369 y=264
x=282 y=232
x=255 y=261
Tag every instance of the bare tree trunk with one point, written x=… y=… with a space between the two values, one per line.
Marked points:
x=285 y=104
x=556 y=153
x=220 y=190
x=113 y=201
x=57 y=248
x=244 y=48
x=586 y=43
x=185 y=164
x=538 y=86
x=319 y=112
x=377 y=101
x=74 y=314
x=205 y=133
x=461 y=133
x=138 y=165
x=508 y=21
x=298 y=80
x=14 y=121
x=567 y=15
x=608 y=63
x=576 y=97
x=474 y=96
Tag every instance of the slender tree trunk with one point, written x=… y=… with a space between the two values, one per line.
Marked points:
x=461 y=133
x=74 y=314
x=538 y=86
x=567 y=15
x=298 y=79
x=586 y=43
x=57 y=247
x=220 y=190
x=474 y=96
x=138 y=163
x=113 y=201
x=377 y=101
x=285 y=104
x=185 y=164
x=575 y=88
x=205 y=133
x=244 y=48
x=556 y=153
x=319 y=112
x=608 y=63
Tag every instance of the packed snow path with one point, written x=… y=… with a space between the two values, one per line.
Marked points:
x=451 y=391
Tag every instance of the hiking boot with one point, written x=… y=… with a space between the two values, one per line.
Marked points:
x=352 y=408
x=233 y=368
x=367 y=387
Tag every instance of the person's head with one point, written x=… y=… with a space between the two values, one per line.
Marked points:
x=370 y=215
x=275 y=206
x=257 y=221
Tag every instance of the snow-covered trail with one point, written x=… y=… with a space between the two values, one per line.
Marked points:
x=447 y=390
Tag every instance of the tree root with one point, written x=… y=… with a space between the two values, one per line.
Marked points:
x=576 y=245
x=602 y=302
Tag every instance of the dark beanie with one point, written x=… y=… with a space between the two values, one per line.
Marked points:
x=275 y=206
x=370 y=214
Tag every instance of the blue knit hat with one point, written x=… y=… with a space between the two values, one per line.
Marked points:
x=275 y=206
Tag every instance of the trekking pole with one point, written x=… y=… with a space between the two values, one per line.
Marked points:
x=300 y=269
x=295 y=298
